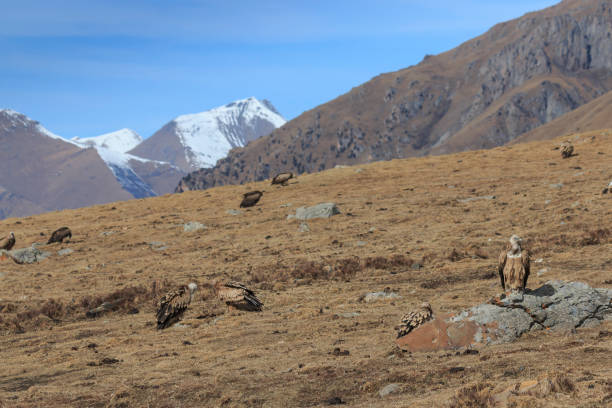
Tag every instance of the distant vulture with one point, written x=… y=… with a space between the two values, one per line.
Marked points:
x=7 y=242
x=60 y=235
x=236 y=295
x=415 y=319
x=282 y=178
x=172 y=305
x=251 y=198
x=567 y=151
x=513 y=266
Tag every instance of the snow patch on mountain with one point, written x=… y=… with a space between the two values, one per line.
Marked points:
x=209 y=136
x=121 y=140
x=19 y=119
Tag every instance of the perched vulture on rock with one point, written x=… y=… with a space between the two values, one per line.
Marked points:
x=60 y=235
x=567 y=151
x=8 y=242
x=513 y=266
x=238 y=296
x=282 y=178
x=414 y=319
x=251 y=198
x=172 y=305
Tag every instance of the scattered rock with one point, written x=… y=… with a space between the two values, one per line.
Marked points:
x=65 y=251
x=338 y=352
x=157 y=245
x=467 y=200
x=349 y=314
x=555 y=305
x=106 y=233
x=361 y=243
x=303 y=227
x=542 y=271
x=323 y=210
x=100 y=310
x=285 y=205
x=556 y=185
x=389 y=389
x=335 y=401
x=374 y=296
x=233 y=212
x=192 y=226
x=359 y=170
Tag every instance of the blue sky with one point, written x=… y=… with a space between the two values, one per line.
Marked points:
x=84 y=68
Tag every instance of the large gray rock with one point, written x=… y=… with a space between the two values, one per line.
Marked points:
x=27 y=255
x=323 y=210
x=556 y=305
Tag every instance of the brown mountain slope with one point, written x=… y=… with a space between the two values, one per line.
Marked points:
x=427 y=229
x=484 y=93
x=49 y=172
x=596 y=114
x=12 y=205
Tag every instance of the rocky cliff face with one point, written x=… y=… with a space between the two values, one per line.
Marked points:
x=484 y=93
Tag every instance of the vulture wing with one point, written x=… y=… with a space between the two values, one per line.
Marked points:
x=526 y=264
x=500 y=268
x=236 y=292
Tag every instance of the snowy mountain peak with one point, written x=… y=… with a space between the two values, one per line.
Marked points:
x=120 y=141
x=15 y=119
x=208 y=136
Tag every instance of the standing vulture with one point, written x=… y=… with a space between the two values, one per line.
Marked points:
x=513 y=266
x=282 y=178
x=60 y=235
x=238 y=296
x=567 y=151
x=414 y=319
x=8 y=242
x=172 y=305
x=251 y=198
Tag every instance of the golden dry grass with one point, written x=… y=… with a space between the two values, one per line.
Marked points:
x=403 y=227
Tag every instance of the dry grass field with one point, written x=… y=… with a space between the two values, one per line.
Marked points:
x=410 y=226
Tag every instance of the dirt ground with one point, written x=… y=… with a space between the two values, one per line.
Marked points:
x=316 y=343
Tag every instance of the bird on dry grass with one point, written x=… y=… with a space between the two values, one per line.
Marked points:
x=567 y=151
x=8 y=242
x=513 y=266
x=60 y=235
x=173 y=304
x=282 y=178
x=236 y=295
x=414 y=319
x=251 y=198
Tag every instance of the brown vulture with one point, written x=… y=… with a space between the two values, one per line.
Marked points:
x=282 y=178
x=60 y=235
x=251 y=198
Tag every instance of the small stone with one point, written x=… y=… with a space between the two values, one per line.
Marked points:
x=349 y=315
x=65 y=251
x=233 y=212
x=374 y=296
x=542 y=271
x=556 y=185
x=303 y=227
x=361 y=243
x=389 y=389
x=192 y=226
x=28 y=255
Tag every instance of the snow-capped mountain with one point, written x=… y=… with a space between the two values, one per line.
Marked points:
x=119 y=141
x=198 y=140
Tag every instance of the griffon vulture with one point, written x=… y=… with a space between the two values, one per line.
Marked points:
x=8 y=242
x=172 y=305
x=567 y=151
x=282 y=178
x=236 y=295
x=415 y=319
x=513 y=266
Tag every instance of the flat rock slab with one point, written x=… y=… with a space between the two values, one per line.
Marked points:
x=25 y=255
x=323 y=210
x=193 y=226
x=556 y=305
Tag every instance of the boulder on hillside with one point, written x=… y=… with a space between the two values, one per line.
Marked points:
x=323 y=210
x=555 y=305
x=25 y=255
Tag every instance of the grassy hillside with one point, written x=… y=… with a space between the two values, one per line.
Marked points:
x=427 y=229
